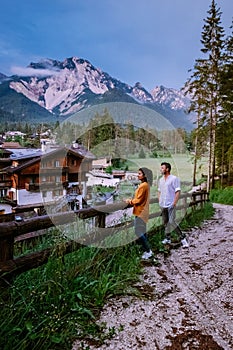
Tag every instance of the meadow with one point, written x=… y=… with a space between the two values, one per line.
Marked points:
x=182 y=165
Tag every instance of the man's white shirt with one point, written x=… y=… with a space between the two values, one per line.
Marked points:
x=167 y=189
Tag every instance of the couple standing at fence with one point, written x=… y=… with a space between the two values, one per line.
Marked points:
x=168 y=194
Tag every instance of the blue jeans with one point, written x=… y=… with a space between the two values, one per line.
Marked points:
x=140 y=231
x=169 y=221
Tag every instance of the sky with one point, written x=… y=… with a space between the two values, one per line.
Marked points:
x=153 y=42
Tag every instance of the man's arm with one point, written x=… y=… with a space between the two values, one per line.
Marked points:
x=177 y=196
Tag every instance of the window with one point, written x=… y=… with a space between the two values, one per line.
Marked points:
x=3 y=192
x=43 y=164
x=57 y=193
x=57 y=163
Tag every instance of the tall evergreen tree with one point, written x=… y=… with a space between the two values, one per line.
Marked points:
x=204 y=84
x=225 y=128
x=226 y=78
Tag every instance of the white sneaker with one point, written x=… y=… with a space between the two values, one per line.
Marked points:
x=184 y=243
x=166 y=241
x=147 y=255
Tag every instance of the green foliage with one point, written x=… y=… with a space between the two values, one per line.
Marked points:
x=103 y=136
x=154 y=154
x=206 y=88
x=224 y=196
x=109 y=169
x=141 y=153
x=48 y=307
x=103 y=189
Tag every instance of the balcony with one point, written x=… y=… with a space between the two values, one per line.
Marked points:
x=5 y=183
x=53 y=185
x=58 y=169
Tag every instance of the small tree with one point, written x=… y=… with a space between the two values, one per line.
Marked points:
x=141 y=153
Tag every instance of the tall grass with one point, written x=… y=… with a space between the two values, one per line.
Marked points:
x=50 y=306
x=47 y=307
x=223 y=196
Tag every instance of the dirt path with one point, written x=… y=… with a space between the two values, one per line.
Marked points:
x=188 y=300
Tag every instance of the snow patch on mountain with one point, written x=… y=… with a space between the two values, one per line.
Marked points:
x=175 y=99
x=75 y=83
x=141 y=94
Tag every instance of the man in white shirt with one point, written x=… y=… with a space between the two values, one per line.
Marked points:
x=168 y=194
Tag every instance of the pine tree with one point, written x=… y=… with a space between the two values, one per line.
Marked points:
x=204 y=84
x=225 y=128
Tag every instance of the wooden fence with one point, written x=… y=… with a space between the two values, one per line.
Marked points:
x=23 y=230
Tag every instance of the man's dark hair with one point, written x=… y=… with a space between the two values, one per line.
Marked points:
x=167 y=165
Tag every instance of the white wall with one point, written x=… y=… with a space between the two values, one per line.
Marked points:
x=96 y=180
x=25 y=197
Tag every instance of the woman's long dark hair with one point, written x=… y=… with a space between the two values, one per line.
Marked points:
x=148 y=175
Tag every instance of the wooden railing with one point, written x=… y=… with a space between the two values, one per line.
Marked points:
x=11 y=231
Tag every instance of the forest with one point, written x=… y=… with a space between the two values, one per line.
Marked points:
x=210 y=89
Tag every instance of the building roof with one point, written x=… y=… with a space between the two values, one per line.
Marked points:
x=14 y=169
x=78 y=151
x=33 y=157
x=25 y=153
x=11 y=145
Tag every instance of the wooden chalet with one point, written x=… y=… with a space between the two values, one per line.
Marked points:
x=46 y=176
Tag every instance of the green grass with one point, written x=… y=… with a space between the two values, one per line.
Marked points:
x=182 y=166
x=51 y=306
x=223 y=196
x=48 y=307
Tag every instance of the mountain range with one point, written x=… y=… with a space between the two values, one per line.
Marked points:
x=52 y=90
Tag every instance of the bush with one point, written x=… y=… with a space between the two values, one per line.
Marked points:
x=142 y=153
x=154 y=154
x=109 y=169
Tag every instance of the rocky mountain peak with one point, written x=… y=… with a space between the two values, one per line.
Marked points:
x=65 y=87
x=175 y=99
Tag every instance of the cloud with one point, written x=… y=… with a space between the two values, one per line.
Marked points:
x=28 y=72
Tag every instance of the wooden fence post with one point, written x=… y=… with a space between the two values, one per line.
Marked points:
x=194 y=201
x=185 y=206
x=7 y=248
x=100 y=222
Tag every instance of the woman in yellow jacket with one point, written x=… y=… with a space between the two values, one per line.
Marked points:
x=140 y=204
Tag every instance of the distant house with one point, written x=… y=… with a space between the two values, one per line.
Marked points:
x=118 y=174
x=13 y=134
x=101 y=164
x=44 y=176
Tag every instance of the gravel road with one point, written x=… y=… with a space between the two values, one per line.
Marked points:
x=187 y=302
